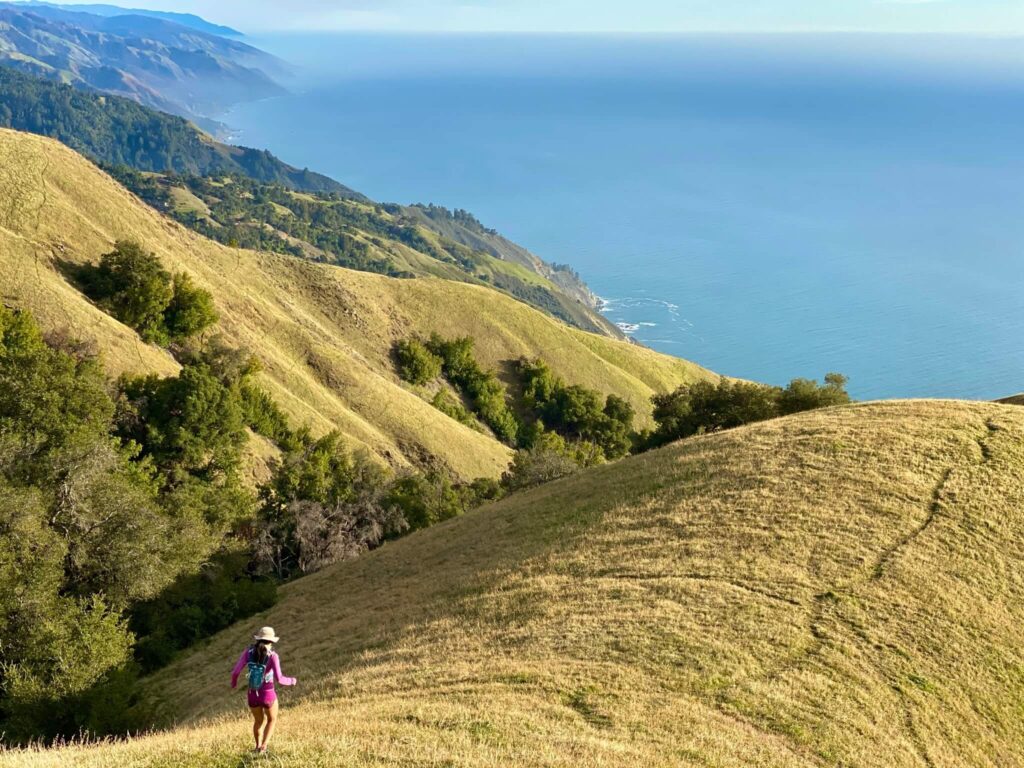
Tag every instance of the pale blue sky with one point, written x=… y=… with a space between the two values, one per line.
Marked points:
x=1001 y=17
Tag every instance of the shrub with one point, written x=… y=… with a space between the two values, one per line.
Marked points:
x=550 y=458
x=452 y=408
x=484 y=390
x=190 y=424
x=575 y=412
x=190 y=310
x=264 y=417
x=416 y=364
x=130 y=284
x=322 y=504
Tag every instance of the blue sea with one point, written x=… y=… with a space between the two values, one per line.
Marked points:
x=768 y=206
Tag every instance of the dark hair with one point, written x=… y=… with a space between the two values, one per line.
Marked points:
x=260 y=651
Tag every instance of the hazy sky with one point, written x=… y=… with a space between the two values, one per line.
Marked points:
x=968 y=16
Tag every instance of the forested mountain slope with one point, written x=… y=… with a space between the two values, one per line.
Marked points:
x=324 y=334
x=120 y=131
x=834 y=588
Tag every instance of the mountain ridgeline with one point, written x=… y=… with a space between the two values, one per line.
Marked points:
x=184 y=19
x=395 y=240
x=156 y=61
x=119 y=131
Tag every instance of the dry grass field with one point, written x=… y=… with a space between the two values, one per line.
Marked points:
x=323 y=333
x=838 y=588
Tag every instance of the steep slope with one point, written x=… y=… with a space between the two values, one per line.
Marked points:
x=464 y=228
x=323 y=333
x=172 y=165
x=155 y=61
x=356 y=233
x=835 y=588
x=117 y=130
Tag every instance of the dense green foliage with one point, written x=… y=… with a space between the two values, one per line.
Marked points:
x=574 y=412
x=324 y=504
x=548 y=458
x=119 y=131
x=416 y=364
x=486 y=393
x=453 y=408
x=588 y=423
x=91 y=525
x=129 y=535
x=130 y=284
x=198 y=605
x=706 y=407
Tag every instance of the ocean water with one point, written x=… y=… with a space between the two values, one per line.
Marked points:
x=769 y=207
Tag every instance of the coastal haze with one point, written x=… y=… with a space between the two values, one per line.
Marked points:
x=769 y=206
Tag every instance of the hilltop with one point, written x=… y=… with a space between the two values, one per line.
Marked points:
x=324 y=334
x=832 y=588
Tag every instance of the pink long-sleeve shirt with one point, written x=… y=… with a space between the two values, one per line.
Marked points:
x=273 y=674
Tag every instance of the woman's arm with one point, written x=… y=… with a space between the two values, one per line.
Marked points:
x=275 y=664
x=239 y=666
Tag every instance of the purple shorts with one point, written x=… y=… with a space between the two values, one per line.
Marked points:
x=264 y=697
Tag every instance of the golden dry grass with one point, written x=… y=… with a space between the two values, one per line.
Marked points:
x=840 y=588
x=323 y=333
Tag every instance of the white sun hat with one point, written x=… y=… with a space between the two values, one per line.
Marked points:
x=266 y=633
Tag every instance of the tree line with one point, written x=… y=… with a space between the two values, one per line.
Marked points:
x=559 y=428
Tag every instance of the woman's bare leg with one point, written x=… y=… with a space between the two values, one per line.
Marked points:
x=271 y=715
x=257 y=723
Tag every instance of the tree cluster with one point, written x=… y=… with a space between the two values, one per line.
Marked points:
x=710 y=407
x=576 y=413
x=485 y=392
x=131 y=285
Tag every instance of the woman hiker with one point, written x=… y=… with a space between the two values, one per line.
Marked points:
x=264 y=669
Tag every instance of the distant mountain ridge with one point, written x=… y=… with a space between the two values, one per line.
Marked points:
x=185 y=19
x=157 y=62
x=119 y=131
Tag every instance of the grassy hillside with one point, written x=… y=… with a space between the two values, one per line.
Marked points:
x=323 y=333
x=359 y=234
x=835 y=588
